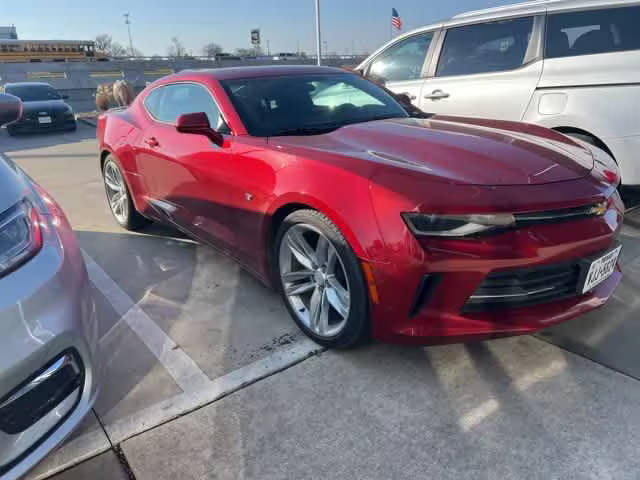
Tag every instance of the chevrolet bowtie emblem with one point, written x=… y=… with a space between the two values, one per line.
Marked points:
x=599 y=209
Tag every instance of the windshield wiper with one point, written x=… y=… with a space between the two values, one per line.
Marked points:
x=310 y=130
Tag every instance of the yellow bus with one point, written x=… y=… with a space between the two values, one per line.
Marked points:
x=48 y=51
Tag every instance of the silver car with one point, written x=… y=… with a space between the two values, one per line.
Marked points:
x=49 y=343
x=569 y=65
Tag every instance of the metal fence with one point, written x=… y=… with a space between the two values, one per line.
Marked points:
x=80 y=80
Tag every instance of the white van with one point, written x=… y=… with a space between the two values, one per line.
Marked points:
x=570 y=65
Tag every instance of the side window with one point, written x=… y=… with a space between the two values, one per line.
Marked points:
x=402 y=61
x=486 y=47
x=594 y=31
x=177 y=99
x=152 y=102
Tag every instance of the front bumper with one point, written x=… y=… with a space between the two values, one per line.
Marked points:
x=460 y=267
x=47 y=310
x=32 y=125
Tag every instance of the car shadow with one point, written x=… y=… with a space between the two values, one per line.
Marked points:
x=610 y=335
x=219 y=315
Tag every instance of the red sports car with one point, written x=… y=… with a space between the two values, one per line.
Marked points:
x=369 y=220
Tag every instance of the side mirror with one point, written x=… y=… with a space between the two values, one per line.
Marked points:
x=64 y=97
x=10 y=108
x=198 y=124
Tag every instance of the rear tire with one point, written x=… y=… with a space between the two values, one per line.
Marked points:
x=321 y=281
x=119 y=197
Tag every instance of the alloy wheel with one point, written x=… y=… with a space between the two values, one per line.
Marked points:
x=116 y=192
x=314 y=280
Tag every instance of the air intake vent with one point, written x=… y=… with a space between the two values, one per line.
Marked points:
x=40 y=395
x=525 y=287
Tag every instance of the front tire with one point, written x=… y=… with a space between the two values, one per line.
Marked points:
x=119 y=197
x=321 y=281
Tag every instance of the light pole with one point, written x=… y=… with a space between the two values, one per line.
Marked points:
x=128 y=22
x=318 y=39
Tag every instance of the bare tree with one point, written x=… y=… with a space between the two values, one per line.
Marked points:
x=211 y=49
x=176 y=49
x=106 y=45
x=117 y=50
x=103 y=43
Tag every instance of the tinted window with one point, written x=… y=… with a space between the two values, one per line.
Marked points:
x=152 y=102
x=402 y=61
x=593 y=31
x=486 y=47
x=308 y=104
x=166 y=104
x=33 y=93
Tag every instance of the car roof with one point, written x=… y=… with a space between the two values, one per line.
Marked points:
x=539 y=6
x=232 y=73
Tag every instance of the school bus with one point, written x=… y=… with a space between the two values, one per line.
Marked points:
x=48 y=51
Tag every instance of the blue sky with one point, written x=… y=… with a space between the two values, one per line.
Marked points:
x=361 y=25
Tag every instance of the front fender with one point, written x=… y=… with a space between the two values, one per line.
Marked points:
x=340 y=195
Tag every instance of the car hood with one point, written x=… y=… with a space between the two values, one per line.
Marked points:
x=12 y=186
x=48 y=106
x=459 y=151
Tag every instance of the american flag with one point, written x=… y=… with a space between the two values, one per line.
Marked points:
x=396 y=21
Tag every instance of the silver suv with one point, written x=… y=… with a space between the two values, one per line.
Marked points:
x=570 y=65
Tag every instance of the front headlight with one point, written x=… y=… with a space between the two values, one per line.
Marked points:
x=424 y=224
x=20 y=236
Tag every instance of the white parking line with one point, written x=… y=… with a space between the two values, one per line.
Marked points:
x=167 y=410
x=93 y=443
x=198 y=389
x=184 y=371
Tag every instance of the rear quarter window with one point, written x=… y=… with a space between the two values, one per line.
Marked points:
x=592 y=32
x=152 y=102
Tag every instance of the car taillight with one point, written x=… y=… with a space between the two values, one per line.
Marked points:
x=20 y=236
x=611 y=176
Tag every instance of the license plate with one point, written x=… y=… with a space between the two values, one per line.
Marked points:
x=601 y=269
x=44 y=119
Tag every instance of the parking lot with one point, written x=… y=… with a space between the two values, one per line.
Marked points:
x=206 y=376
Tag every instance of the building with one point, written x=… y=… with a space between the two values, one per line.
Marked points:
x=8 y=33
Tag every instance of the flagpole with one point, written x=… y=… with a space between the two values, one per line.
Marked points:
x=318 y=39
x=391 y=28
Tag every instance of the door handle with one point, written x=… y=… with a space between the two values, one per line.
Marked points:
x=152 y=142
x=437 y=95
x=411 y=97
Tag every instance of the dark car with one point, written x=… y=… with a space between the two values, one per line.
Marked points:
x=44 y=109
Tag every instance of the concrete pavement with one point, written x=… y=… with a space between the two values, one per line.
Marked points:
x=508 y=409
x=207 y=377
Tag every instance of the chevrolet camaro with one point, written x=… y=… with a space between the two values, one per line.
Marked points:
x=372 y=219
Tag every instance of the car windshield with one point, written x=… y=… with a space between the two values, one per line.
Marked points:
x=308 y=104
x=33 y=93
